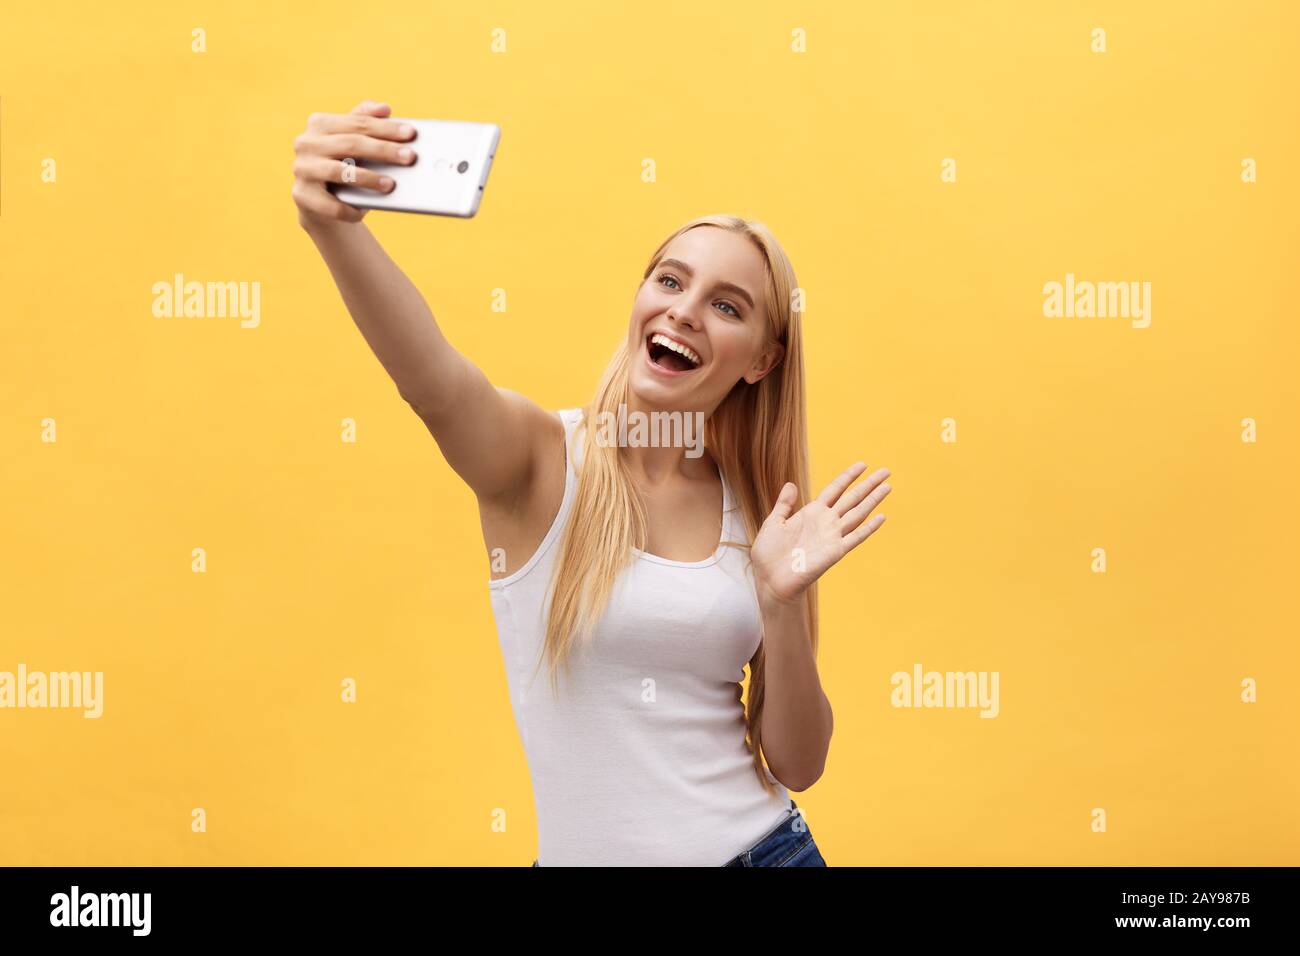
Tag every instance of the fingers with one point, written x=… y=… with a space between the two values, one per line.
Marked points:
x=855 y=517
x=375 y=126
x=366 y=133
x=354 y=146
x=371 y=107
x=363 y=134
x=836 y=487
x=851 y=541
x=855 y=494
x=318 y=169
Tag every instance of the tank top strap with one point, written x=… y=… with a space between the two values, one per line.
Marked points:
x=573 y=437
x=733 y=522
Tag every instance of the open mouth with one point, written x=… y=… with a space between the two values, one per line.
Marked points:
x=670 y=355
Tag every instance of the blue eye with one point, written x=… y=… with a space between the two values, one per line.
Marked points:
x=665 y=275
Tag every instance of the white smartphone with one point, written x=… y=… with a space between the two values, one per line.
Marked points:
x=452 y=159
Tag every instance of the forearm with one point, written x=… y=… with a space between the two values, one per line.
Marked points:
x=797 y=720
x=390 y=313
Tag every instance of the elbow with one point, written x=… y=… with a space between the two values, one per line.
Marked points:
x=800 y=783
x=797 y=785
x=801 y=778
x=409 y=396
x=807 y=767
x=433 y=406
x=418 y=404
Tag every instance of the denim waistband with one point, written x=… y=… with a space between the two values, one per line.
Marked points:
x=785 y=841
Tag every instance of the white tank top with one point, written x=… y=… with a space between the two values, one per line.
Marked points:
x=640 y=759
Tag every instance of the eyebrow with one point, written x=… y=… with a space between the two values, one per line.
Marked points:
x=729 y=286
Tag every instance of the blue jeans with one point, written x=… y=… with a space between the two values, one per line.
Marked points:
x=789 y=843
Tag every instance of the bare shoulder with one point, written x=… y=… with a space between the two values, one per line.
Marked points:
x=517 y=524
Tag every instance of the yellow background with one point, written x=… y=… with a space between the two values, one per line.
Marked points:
x=328 y=560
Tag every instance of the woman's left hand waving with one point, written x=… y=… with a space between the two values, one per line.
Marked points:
x=794 y=548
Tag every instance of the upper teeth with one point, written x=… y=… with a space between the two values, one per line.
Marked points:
x=677 y=347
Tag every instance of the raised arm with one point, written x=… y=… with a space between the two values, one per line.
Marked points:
x=491 y=437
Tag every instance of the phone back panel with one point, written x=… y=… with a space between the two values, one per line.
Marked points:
x=452 y=160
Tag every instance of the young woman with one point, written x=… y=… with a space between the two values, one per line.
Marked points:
x=632 y=580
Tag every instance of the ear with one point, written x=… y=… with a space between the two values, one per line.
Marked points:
x=767 y=360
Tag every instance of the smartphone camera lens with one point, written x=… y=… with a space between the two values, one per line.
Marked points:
x=462 y=166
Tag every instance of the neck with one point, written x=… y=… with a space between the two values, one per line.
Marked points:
x=663 y=443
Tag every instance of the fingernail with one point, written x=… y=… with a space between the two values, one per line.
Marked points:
x=885 y=487
x=405 y=153
x=406 y=130
x=386 y=182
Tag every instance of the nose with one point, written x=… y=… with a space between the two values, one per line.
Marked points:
x=683 y=317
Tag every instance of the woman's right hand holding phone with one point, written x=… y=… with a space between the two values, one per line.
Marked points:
x=495 y=439
x=332 y=138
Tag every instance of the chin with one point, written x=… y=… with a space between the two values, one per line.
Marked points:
x=652 y=393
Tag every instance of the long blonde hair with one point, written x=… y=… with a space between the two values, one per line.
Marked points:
x=758 y=437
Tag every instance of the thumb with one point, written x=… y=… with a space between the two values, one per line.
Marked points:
x=786 y=501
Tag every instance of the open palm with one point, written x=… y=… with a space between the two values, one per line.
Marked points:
x=794 y=548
